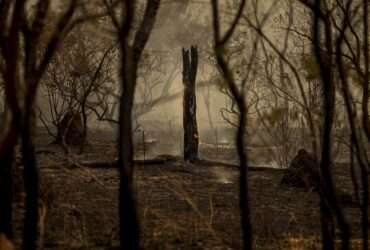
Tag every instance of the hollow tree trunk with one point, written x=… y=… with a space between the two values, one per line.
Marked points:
x=191 y=139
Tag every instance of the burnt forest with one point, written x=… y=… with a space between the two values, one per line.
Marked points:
x=184 y=124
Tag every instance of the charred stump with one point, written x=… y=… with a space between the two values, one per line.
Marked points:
x=303 y=172
x=191 y=138
x=71 y=129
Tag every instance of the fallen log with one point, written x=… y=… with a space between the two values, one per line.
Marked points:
x=166 y=159
x=210 y=163
x=113 y=164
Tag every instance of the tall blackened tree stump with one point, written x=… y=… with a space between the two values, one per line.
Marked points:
x=189 y=74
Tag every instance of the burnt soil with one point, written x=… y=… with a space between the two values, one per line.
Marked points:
x=181 y=205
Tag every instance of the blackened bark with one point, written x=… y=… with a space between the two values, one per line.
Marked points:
x=6 y=193
x=239 y=96
x=9 y=48
x=327 y=225
x=353 y=170
x=365 y=207
x=84 y=126
x=189 y=74
x=31 y=182
x=129 y=223
x=243 y=177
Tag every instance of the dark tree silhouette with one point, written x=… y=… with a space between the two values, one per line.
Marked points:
x=357 y=147
x=131 y=53
x=329 y=206
x=24 y=39
x=189 y=74
x=238 y=94
x=6 y=193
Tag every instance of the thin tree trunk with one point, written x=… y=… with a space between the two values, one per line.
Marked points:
x=360 y=154
x=243 y=177
x=84 y=126
x=365 y=96
x=366 y=125
x=353 y=170
x=328 y=201
x=356 y=141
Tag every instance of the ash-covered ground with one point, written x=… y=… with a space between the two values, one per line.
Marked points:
x=181 y=205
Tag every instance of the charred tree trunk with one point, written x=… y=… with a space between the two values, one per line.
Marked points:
x=6 y=160
x=31 y=182
x=189 y=74
x=8 y=49
x=131 y=54
x=84 y=127
x=6 y=179
x=239 y=97
x=129 y=223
